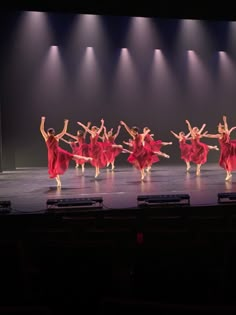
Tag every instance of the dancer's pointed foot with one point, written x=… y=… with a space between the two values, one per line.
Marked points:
x=228 y=177
x=166 y=155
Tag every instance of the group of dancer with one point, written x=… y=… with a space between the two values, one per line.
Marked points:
x=143 y=149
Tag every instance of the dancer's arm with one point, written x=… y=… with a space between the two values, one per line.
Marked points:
x=231 y=129
x=117 y=132
x=86 y=131
x=61 y=134
x=42 y=129
x=70 y=135
x=101 y=127
x=105 y=132
x=204 y=134
x=208 y=135
x=190 y=129
x=127 y=128
x=202 y=128
x=85 y=127
x=128 y=143
x=147 y=131
x=175 y=134
x=225 y=124
x=64 y=140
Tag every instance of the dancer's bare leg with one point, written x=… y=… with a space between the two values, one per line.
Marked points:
x=162 y=154
x=112 y=165
x=214 y=147
x=126 y=151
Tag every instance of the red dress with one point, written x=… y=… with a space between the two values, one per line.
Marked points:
x=111 y=152
x=153 y=145
x=58 y=159
x=141 y=156
x=227 y=153
x=186 y=150
x=96 y=152
x=199 y=151
x=82 y=149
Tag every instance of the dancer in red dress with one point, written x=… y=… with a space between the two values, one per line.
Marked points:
x=185 y=148
x=141 y=157
x=58 y=159
x=154 y=145
x=111 y=151
x=80 y=146
x=227 y=148
x=96 y=148
x=200 y=150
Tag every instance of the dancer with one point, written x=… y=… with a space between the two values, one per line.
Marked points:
x=200 y=150
x=141 y=157
x=227 y=148
x=154 y=145
x=79 y=146
x=96 y=148
x=185 y=148
x=111 y=151
x=58 y=159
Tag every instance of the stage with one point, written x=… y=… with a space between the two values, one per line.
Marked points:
x=28 y=189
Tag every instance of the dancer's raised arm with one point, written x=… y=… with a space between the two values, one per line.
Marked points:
x=232 y=129
x=42 y=128
x=61 y=134
x=117 y=132
x=72 y=136
x=76 y=137
x=105 y=133
x=175 y=134
x=101 y=127
x=146 y=131
x=190 y=128
x=86 y=128
x=66 y=141
x=225 y=124
x=128 y=129
x=202 y=128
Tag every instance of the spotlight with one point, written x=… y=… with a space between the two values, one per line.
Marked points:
x=75 y=203
x=154 y=200
x=5 y=206
x=227 y=197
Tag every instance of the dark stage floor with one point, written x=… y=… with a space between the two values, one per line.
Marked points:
x=28 y=189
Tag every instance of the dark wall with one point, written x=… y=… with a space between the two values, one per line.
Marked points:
x=142 y=89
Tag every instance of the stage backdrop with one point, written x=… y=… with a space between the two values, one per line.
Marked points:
x=146 y=71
